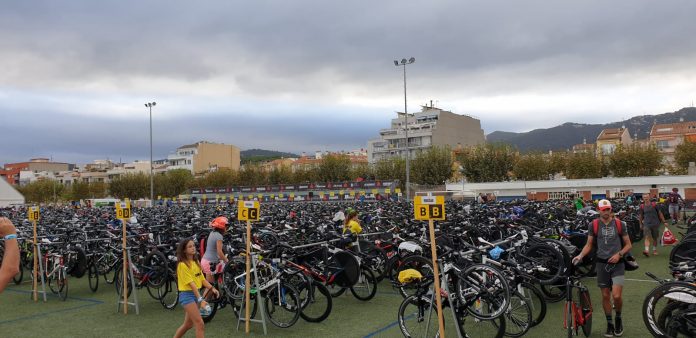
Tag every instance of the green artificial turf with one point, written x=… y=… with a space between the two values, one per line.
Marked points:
x=87 y=314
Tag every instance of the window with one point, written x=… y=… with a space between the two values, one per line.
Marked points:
x=662 y=144
x=608 y=149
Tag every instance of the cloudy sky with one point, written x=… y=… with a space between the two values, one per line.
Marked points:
x=309 y=75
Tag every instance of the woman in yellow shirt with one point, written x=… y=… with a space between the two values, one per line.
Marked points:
x=189 y=280
x=351 y=223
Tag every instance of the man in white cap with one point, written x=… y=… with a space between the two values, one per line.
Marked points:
x=612 y=243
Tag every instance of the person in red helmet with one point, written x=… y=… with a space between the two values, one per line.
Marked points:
x=214 y=256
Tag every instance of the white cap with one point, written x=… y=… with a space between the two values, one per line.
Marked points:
x=604 y=204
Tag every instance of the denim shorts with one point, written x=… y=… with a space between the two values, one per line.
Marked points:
x=186 y=297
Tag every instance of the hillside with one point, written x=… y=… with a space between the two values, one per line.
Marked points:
x=569 y=134
x=260 y=155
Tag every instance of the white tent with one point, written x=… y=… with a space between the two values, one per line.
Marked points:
x=8 y=195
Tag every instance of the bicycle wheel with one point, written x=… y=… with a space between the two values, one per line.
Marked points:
x=156 y=263
x=335 y=290
x=63 y=284
x=536 y=301
x=169 y=294
x=316 y=302
x=282 y=305
x=672 y=320
x=659 y=299
x=476 y=328
x=93 y=277
x=417 y=317
x=214 y=303
x=366 y=287
x=553 y=293
x=118 y=281
x=518 y=317
x=585 y=303
x=484 y=291
x=419 y=263
x=547 y=257
x=377 y=259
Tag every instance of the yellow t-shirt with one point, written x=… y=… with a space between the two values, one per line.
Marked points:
x=185 y=275
x=353 y=226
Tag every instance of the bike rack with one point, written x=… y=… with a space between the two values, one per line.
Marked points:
x=134 y=292
x=41 y=272
x=259 y=299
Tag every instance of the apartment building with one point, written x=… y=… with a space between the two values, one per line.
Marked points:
x=203 y=156
x=431 y=126
x=13 y=172
x=609 y=139
x=667 y=137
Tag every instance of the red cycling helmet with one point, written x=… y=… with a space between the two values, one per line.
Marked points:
x=219 y=223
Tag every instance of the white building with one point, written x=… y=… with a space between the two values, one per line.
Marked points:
x=431 y=126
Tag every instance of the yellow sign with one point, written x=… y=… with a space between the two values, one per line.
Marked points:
x=205 y=197
x=123 y=210
x=217 y=197
x=387 y=191
x=427 y=208
x=331 y=194
x=248 y=210
x=375 y=191
x=281 y=195
x=159 y=197
x=352 y=193
x=292 y=195
x=340 y=192
x=397 y=190
x=33 y=213
x=260 y=196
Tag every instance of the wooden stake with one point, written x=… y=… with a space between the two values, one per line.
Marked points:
x=433 y=252
x=125 y=266
x=35 y=284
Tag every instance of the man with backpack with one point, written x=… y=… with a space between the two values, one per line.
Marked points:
x=673 y=199
x=650 y=218
x=609 y=238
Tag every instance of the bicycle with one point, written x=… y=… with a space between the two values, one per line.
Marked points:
x=577 y=314
x=676 y=316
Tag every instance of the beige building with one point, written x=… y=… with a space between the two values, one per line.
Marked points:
x=431 y=126
x=667 y=137
x=609 y=139
x=204 y=157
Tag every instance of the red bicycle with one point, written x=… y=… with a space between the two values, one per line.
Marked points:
x=577 y=314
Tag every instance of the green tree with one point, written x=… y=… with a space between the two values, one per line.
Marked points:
x=178 y=181
x=558 y=162
x=302 y=175
x=683 y=154
x=488 y=162
x=133 y=186
x=42 y=191
x=432 y=166
x=223 y=177
x=251 y=175
x=334 y=167
x=533 y=166
x=391 y=169
x=362 y=170
x=583 y=165
x=282 y=175
x=635 y=160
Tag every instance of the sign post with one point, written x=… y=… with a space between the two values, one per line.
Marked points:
x=432 y=208
x=248 y=211
x=123 y=213
x=34 y=215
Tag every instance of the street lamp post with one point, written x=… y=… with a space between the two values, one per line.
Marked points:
x=403 y=63
x=152 y=178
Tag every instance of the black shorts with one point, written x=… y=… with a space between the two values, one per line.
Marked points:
x=610 y=274
x=652 y=232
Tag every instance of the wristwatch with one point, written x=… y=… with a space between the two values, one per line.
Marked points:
x=620 y=254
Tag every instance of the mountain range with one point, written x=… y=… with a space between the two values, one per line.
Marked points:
x=567 y=135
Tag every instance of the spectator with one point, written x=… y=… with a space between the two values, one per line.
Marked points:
x=674 y=200
x=650 y=217
x=10 y=259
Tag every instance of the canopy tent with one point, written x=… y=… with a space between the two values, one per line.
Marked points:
x=9 y=195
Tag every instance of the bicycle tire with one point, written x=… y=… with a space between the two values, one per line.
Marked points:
x=63 y=284
x=214 y=303
x=157 y=263
x=649 y=304
x=494 y=328
x=548 y=257
x=585 y=303
x=169 y=294
x=536 y=301
x=416 y=262
x=313 y=306
x=477 y=277
x=518 y=317
x=280 y=299
x=335 y=290
x=415 y=310
x=367 y=282
x=118 y=280
x=672 y=326
x=378 y=259
x=553 y=293
x=93 y=277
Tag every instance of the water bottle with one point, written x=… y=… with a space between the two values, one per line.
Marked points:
x=205 y=310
